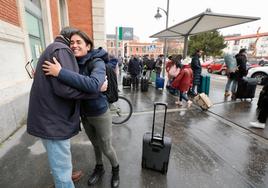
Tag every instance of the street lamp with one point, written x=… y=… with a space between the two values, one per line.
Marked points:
x=158 y=16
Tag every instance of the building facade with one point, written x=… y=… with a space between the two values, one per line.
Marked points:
x=256 y=44
x=142 y=48
x=135 y=47
x=26 y=28
x=111 y=45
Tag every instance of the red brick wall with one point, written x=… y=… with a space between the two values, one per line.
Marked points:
x=80 y=15
x=54 y=18
x=9 y=12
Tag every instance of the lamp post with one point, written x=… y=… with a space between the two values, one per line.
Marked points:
x=158 y=16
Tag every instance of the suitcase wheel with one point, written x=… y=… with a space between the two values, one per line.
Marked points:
x=204 y=109
x=165 y=168
x=143 y=163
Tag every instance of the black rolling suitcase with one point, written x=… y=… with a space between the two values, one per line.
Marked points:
x=126 y=81
x=246 y=88
x=156 y=148
x=144 y=83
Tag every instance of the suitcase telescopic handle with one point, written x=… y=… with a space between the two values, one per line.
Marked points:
x=164 y=124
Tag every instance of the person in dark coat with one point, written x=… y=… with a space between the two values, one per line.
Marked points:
x=150 y=66
x=241 y=61
x=54 y=109
x=262 y=109
x=114 y=62
x=197 y=70
x=158 y=65
x=134 y=69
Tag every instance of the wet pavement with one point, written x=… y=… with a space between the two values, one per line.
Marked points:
x=214 y=148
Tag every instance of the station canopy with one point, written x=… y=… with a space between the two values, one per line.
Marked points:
x=203 y=22
x=206 y=21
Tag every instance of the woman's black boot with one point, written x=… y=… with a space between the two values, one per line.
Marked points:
x=96 y=175
x=115 y=177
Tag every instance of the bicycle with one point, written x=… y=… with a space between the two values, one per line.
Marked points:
x=121 y=110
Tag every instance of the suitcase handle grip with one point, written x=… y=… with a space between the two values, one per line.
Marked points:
x=164 y=124
x=156 y=144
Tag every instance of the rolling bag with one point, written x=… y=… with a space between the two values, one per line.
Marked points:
x=159 y=82
x=204 y=85
x=153 y=76
x=144 y=84
x=203 y=101
x=126 y=81
x=207 y=85
x=156 y=148
x=246 y=88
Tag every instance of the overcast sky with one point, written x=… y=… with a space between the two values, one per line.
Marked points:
x=139 y=14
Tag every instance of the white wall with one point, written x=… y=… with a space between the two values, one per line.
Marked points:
x=98 y=14
x=14 y=82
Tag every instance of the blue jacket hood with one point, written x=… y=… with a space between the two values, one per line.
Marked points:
x=95 y=53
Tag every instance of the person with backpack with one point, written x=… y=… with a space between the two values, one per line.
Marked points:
x=95 y=114
x=231 y=66
x=183 y=81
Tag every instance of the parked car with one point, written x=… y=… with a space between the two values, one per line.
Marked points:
x=252 y=64
x=258 y=72
x=218 y=66
x=205 y=64
x=263 y=62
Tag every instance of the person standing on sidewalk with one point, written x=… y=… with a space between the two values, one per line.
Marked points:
x=95 y=113
x=134 y=69
x=262 y=109
x=197 y=70
x=159 y=64
x=183 y=82
x=231 y=84
x=241 y=61
x=54 y=110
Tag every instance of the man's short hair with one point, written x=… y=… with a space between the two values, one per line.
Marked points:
x=67 y=32
x=198 y=51
x=243 y=50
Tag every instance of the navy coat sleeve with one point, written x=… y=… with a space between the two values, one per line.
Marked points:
x=87 y=83
x=67 y=61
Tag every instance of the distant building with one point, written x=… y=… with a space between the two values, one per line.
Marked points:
x=174 y=45
x=256 y=44
x=111 y=45
x=142 y=48
x=26 y=28
x=135 y=47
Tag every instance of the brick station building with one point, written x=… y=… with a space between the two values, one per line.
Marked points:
x=26 y=28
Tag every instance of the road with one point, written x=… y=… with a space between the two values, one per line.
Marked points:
x=214 y=148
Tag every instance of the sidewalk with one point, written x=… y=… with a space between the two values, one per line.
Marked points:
x=210 y=149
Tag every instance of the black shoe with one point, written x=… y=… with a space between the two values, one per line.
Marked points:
x=233 y=97
x=96 y=175
x=115 y=177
